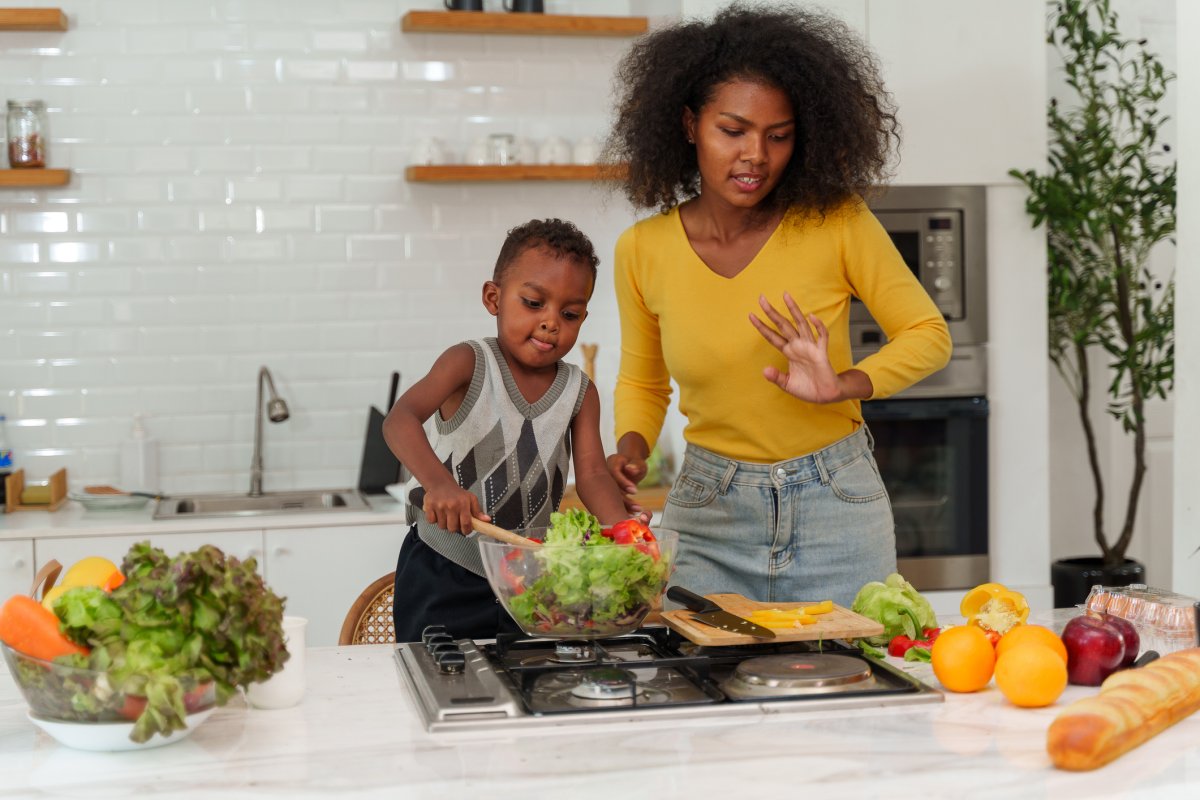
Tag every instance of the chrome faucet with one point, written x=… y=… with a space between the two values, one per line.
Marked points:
x=277 y=411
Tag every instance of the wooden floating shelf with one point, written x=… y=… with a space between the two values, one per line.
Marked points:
x=13 y=178
x=525 y=24
x=463 y=173
x=32 y=19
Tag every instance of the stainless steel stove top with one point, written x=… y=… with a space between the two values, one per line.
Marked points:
x=519 y=683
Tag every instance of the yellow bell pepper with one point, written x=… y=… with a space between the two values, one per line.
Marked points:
x=994 y=607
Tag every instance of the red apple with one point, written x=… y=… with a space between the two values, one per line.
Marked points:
x=1133 y=642
x=1095 y=649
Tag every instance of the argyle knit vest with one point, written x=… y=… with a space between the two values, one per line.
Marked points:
x=511 y=454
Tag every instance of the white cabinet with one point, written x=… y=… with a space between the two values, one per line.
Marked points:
x=321 y=571
x=68 y=550
x=969 y=78
x=16 y=567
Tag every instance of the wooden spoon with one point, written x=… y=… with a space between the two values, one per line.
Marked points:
x=499 y=534
x=115 y=490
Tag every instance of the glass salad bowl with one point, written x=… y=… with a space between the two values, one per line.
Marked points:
x=80 y=707
x=588 y=590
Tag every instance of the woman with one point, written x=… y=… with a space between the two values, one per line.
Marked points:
x=756 y=136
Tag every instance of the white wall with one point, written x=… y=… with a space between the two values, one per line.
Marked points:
x=1073 y=493
x=238 y=200
x=1185 y=574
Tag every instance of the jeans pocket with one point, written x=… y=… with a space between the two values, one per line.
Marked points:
x=858 y=481
x=692 y=490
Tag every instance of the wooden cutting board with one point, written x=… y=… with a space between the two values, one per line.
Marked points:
x=841 y=623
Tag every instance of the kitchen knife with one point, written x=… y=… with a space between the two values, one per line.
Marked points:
x=712 y=614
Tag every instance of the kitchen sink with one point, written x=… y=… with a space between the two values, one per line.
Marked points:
x=240 y=504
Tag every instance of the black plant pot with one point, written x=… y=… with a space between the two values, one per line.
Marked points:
x=1073 y=578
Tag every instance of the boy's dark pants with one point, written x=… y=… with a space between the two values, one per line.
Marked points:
x=433 y=590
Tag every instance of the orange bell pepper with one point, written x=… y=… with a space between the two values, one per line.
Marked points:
x=994 y=607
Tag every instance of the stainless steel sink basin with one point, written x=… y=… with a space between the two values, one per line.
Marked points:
x=238 y=505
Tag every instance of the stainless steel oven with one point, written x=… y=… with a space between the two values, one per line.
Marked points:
x=931 y=441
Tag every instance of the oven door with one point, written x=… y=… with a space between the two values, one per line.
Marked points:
x=933 y=456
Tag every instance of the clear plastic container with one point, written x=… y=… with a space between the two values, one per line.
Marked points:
x=1165 y=621
x=26 y=134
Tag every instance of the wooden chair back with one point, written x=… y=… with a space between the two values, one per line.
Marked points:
x=369 y=620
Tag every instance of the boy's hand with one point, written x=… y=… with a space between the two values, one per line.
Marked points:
x=451 y=508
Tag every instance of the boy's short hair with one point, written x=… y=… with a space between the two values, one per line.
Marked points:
x=557 y=235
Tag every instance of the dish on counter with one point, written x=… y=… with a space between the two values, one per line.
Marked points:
x=108 y=502
x=111 y=736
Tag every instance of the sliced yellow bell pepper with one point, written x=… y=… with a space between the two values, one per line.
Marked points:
x=994 y=607
x=823 y=607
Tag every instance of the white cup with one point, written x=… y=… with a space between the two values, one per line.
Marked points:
x=285 y=688
x=526 y=152
x=555 y=150
x=428 y=152
x=477 y=153
x=587 y=150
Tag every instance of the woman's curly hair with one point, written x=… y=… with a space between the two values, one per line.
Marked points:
x=845 y=121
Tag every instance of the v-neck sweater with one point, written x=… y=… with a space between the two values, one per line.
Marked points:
x=682 y=321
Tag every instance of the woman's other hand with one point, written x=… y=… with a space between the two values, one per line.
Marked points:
x=810 y=375
x=628 y=466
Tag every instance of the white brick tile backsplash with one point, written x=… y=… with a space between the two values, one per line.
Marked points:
x=16 y=221
x=107 y=341
x=14 y=252
x=239 y=199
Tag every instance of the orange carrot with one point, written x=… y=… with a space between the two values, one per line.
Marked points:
x=113 y=581
x=28 y=627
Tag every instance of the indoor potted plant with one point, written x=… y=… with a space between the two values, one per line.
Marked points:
x=1106 y=199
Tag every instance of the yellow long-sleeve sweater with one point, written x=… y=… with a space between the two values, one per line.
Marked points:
x=681 y=320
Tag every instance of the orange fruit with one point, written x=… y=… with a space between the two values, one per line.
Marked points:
x=1031 y=675
x=1024 y=634
x=963 y=658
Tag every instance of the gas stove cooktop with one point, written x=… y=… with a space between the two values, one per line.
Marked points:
x=516 y=682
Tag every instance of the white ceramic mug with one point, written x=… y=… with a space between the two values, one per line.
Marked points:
x=285 y=688
x=477 y=153
x=555 y=150
x=526 y=152
x=587 y=150
x=429 y=152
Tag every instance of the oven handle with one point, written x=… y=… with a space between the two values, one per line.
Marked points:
x=925 y=408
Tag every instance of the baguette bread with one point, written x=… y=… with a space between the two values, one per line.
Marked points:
x=1133 y=706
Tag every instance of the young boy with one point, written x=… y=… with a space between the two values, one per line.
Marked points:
x=510 y=414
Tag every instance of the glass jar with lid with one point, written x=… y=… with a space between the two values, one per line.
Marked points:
x=26 y=134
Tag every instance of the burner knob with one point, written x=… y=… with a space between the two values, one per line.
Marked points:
x=450 y=662
x=433 y=630
x=440 y=640
x=437 y=648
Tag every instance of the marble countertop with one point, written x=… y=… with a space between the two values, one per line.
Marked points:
x=74 y=520
x=357 y=735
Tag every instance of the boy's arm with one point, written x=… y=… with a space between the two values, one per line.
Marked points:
x=593 y=482
x=447 y=504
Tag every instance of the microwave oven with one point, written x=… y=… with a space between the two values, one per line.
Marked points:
x=941 y=233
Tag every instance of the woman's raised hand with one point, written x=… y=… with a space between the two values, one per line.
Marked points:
x=810 y=375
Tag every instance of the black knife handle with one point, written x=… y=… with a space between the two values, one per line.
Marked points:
x=1145 y=658
x=691 y=600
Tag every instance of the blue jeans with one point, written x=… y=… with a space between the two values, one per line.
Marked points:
x=812 y=528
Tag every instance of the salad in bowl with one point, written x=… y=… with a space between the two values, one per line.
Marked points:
x=582 y=581
x=155 y=650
